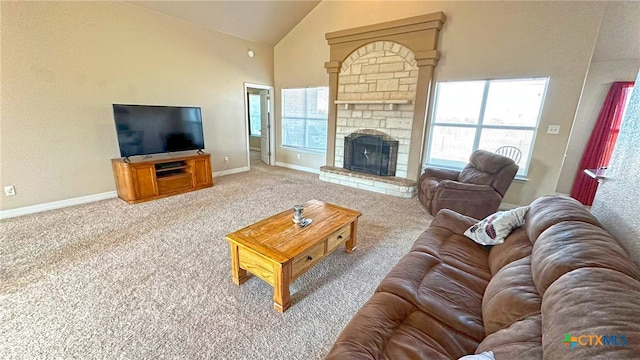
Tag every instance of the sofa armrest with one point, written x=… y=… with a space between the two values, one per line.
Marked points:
x=453 y=221
x=444 y=174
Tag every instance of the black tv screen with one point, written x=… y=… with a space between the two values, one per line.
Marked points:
x=146 y=129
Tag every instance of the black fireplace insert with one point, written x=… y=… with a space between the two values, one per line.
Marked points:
x=371 y=154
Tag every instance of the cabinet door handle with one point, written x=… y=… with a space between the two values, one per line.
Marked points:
x=339 y=236
x=309 y=258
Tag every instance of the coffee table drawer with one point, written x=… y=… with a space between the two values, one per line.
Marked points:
x=307 y=259
x=339 y=237
x=257 y=265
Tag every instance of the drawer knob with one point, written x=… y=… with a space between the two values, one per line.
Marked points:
x=339 y=236
x=309 y=258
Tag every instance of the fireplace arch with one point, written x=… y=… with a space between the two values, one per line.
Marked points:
x=419 y=35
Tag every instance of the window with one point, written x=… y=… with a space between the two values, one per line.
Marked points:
x=304 y=118
x=255 y=122
x=486 y=114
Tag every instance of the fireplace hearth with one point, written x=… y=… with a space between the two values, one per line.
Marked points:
x=370 y=153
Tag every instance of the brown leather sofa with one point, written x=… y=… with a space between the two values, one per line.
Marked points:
x=476 y=191
x=559 y=275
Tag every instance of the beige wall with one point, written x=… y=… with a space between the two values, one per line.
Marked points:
x=601 y=75
x=479 y=40
x=617 y=201
x=65 y=63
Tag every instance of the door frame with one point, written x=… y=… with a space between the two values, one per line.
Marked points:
x=272 y=137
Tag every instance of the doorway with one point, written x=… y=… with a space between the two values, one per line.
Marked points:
x=259 y=120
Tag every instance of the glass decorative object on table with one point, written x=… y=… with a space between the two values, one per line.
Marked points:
x=298 y=213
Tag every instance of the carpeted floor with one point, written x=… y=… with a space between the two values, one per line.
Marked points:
x=108 y=280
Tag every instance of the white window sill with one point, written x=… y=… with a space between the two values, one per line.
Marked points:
x=303 y=150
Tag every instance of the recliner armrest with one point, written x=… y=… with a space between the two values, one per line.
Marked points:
x=455 y=185
x=444 y=174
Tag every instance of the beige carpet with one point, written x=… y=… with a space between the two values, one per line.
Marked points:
x=108 y=280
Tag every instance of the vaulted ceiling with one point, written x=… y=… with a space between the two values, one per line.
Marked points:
x=263 y=22
x=268 y=21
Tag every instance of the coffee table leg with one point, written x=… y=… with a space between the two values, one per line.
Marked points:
x=282 y=278
x=350 y=245
x=238 y=274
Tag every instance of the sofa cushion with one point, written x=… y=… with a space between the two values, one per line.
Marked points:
x=511 y=296
x=549 y=210
x=440 y=290
x=389 y=327
x=521 y=340
x=455 y=250
x=574 y=244
x=515 y=247
x=592 y=301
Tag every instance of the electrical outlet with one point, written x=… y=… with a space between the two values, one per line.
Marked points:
x=9 y=190
x=298 y=156
x=553 y=129
x=226 y=159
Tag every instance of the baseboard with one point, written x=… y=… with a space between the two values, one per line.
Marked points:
x=297 y=167
x=231 y=171
x=56 y=205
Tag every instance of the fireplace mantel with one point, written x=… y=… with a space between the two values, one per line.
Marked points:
x=389 y=104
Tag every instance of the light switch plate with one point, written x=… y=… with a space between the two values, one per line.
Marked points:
x=553 y=129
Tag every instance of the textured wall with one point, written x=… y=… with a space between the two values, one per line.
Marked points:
x=617 y=201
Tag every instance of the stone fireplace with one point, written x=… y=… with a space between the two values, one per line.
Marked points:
x=380 y=77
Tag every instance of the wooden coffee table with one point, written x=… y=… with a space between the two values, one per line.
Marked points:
x=278 y=251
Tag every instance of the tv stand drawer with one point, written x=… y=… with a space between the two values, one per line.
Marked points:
x=174 y=183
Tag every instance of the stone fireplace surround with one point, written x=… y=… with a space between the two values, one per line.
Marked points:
x=380 y=78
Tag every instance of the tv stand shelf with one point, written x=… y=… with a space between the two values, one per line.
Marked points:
x=150 y=179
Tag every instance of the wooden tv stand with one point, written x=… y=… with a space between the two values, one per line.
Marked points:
x=155 y=178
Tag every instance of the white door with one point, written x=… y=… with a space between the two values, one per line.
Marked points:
x=265 y=126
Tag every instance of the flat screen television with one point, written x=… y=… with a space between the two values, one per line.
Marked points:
x=148 y=129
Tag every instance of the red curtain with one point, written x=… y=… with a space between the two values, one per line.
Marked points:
x=603 y=138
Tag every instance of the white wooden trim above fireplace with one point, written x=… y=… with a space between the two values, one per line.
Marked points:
x=390 y=104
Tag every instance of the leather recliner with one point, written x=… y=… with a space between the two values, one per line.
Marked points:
x=476 y=191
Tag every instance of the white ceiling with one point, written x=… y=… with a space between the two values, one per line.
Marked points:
x=264 y=22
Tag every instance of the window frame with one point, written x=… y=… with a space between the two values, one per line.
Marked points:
x=304 y=149
x=479 y=126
